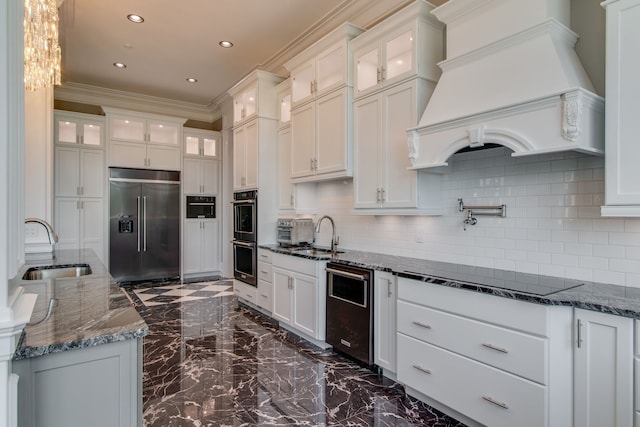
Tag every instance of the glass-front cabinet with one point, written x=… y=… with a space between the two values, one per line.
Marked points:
x=78 y=128
x=401 y=47
x=201 y=143
x=320 y=74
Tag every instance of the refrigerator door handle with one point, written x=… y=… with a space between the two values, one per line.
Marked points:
x=138 y=216
x=144 y=220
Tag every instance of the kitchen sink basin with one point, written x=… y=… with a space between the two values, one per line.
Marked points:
x=56 y=271
x=316 y=251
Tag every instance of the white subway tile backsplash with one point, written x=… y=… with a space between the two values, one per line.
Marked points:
x=553 y=224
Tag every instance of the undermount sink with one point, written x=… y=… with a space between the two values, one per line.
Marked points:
x=316 y=251
x=56 y=271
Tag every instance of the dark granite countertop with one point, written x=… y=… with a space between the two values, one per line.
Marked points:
x=90 y=310
x=539 y=289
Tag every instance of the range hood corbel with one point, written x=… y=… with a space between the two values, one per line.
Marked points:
x=523 y=87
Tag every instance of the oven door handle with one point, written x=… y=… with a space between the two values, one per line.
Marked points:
x=239 y=202
x=237 y=242
x=346 y=274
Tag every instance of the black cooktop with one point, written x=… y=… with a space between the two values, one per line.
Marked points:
x=469 y=276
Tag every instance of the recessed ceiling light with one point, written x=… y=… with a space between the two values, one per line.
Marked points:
x=192 y=80
x=225 y=43
x=135 y=18
x=119 y=65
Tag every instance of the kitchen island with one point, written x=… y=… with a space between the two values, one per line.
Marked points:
x=83 y=363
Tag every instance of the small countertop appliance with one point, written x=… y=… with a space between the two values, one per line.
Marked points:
x=295 y=231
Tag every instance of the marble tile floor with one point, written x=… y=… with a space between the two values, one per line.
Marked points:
x=215 y=362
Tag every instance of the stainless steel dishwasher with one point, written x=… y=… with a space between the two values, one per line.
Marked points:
x=350 y=311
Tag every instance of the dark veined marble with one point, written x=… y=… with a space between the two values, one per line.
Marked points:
x=214 y=362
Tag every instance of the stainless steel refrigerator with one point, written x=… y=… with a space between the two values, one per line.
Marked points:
x=144 y=224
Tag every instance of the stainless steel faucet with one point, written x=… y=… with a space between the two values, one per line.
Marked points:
x=334 y=239
x=53 y=237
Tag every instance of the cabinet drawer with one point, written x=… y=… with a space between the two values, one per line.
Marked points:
x=245 y=291
x=265 y=255
x=300 y=265
x=265 y=295
x=518 y=353
x=523 y=316
x=491 y=397
x=265 y=271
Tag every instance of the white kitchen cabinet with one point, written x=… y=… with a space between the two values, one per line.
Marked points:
x=322 y=110
x=516 y=352
x=384 y=318
x=407 y=44
x=101 y=383
x=80 y=224
x=141 y=140
x=603 y=370
x=200 y=176
x=298 y=198
x=254 y=96
x=201 y=246
x=622 y=176
x=299 y=295
x=78 y=128
x=382 y=181
x=79 y=197
x=201 y=143
x=245 y=156
x=265 y=280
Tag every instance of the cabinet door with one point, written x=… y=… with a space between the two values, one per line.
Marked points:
x=252 y=154
x=163 y=157
x=161 y=132
x=303 y=140
x=239 y=158
x=603 y=370
x=92 y=226
x=384 y=317
x=191 y=176
x=210 y=245
x=67 y=131
x=367 y=135
x=367 y=68
x=282 y=295
x=67 y=220
x=191 y=253
x=305 y=304
x=399 y=60
x=209 y=176
x=67 y=172
x=91 y=133
x=192 y=145
x=302 y=81
x=331 y=69
x=331 y=130
x=399 y=114
x=285 y=187
x=127 y=154
x=92 y=172
x=127 y=129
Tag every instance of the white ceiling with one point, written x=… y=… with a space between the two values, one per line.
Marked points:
x=179 y=39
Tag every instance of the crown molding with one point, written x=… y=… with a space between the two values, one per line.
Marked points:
x=95 y=95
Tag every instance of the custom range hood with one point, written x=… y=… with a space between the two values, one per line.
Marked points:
x=512 y=78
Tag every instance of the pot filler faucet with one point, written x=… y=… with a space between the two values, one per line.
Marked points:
x=334 y=240
x=53 y=237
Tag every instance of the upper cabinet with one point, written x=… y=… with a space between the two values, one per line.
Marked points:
x=255 y=130
x=400 y=47
x=201 y=143
x=622 y=176
x=141 y=140
x=77 y=128
x=322 y=108
x=396 y=72
x=200 y=163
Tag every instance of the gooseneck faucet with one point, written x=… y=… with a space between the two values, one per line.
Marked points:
x=334 y=239
x=53 y=237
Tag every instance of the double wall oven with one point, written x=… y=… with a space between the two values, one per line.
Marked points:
x=245 y=236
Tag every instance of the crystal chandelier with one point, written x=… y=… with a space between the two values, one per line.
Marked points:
x=41 y=48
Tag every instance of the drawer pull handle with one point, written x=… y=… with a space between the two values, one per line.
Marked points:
x=495 y=402
x=493 y=347
x=263 y=295
x=263 y=272
x=421 y=369
x=422 y=325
